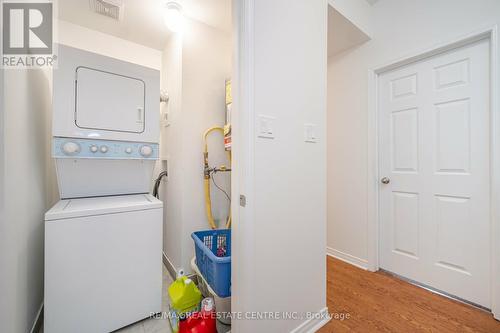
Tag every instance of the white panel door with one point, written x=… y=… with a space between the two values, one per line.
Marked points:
x=109 y=101
x=434 y=146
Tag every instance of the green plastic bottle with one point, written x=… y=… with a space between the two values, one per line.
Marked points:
x=185 y=297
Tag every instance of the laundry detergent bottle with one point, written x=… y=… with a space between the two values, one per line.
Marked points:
x=185 y=298
x=200 y=322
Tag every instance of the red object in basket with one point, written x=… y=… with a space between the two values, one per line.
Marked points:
x=198 y=322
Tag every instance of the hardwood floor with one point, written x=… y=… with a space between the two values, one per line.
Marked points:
x=378 y=302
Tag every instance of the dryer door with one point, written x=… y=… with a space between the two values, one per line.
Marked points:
x=109 y=101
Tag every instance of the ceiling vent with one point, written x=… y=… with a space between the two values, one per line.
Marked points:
x=109 y=8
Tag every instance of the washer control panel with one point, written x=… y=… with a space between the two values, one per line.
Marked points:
x=85 y=148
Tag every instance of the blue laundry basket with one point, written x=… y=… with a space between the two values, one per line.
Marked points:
x=213 y=258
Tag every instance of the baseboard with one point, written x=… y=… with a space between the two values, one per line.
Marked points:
x=37 y=325
x=314 y=324
x=170 y=267
x=350 y=259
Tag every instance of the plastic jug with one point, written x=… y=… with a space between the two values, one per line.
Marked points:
x=185 y=298
x=200 y=322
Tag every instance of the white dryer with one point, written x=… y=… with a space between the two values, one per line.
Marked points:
x=98 y=97
x=106 y=115
x=102 y=263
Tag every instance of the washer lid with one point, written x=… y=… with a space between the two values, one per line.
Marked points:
x=71 y=208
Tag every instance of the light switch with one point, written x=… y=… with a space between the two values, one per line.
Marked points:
x=265 y=127
x=310 y=133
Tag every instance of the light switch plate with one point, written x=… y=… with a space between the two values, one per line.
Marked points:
x=310 y=133
x=266 y=127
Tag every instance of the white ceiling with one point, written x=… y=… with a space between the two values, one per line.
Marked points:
x=371 y=2
x=143 y=19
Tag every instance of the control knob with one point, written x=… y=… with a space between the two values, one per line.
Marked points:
x=71 y=148
x=146 y=151
x=104 y=149
x=94 y=148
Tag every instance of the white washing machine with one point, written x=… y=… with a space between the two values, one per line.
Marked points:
x=102 y=263
x=103 y=240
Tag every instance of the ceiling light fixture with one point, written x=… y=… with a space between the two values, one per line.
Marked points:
x=174 y=18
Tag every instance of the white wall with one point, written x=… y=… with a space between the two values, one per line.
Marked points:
x=342 y=33
x=279 y=237
x=99 y=42
x=195 y=67
x=4 y=301
x=400 y=28
x=171 y=149
x=27 y=186
x=359 y=12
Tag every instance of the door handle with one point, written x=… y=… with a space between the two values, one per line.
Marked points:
x=385 y=180
x=140 y=115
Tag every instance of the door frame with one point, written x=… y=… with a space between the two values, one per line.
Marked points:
x=491 y=34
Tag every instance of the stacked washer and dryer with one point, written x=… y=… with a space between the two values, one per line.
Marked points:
x=103 y=239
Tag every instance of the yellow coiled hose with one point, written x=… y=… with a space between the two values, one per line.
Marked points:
x=207 y=175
